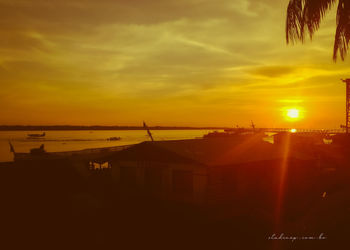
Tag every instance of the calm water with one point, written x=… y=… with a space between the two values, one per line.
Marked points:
x=56 y=141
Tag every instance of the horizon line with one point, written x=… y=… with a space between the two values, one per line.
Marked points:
x=99 y=127
x=133 y=127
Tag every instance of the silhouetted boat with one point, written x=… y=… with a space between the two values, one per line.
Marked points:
x=36 y=135
x=38 y=151
x=113 y=139
x=234 y=132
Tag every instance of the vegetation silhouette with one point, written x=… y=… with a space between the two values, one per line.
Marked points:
x=305 y=16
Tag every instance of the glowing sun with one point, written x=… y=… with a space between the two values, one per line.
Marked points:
x=293 y=113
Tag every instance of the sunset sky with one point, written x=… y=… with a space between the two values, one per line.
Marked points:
x=169 y=62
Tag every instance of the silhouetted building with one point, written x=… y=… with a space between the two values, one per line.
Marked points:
x=209 y=171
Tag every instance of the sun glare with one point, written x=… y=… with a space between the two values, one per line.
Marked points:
x=293 y=113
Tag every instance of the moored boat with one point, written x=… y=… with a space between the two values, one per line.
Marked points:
x=113 y=139
x=36 y=135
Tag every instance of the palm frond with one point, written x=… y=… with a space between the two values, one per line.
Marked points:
x=313 y=13
x=342 y=35
x=294 y=21
x=305 y=15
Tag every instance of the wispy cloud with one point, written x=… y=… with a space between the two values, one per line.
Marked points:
x=166 y=60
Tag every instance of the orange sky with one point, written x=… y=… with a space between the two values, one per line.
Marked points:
x=169 y=62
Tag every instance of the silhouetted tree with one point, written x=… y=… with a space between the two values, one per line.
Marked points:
x=304 y=16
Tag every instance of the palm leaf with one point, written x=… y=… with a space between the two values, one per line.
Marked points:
x=294 y=21
x=305 y=16
x=313 y=13
x=342 y=35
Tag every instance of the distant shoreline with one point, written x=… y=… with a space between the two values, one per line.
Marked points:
x=67 y=128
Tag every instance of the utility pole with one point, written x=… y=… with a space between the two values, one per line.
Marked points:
x=347 y=81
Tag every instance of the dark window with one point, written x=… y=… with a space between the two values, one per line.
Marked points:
x=182 y=182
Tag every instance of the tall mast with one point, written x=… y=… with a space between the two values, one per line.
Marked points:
x=347 y=125
x=148 y=131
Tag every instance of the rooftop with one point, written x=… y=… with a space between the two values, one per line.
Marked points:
x=213 y=151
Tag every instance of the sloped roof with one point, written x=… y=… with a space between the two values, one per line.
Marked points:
x=150 y=151
x=213 y=151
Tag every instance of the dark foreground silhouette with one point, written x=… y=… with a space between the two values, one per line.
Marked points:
x=53 y=204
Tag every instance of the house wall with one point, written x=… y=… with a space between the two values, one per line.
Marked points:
x=133 y=176
x=254 y=183
x=260 y=183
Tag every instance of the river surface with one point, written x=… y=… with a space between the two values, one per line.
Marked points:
x=58 y=141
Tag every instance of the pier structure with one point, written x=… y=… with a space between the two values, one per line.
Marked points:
x=297 y=130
